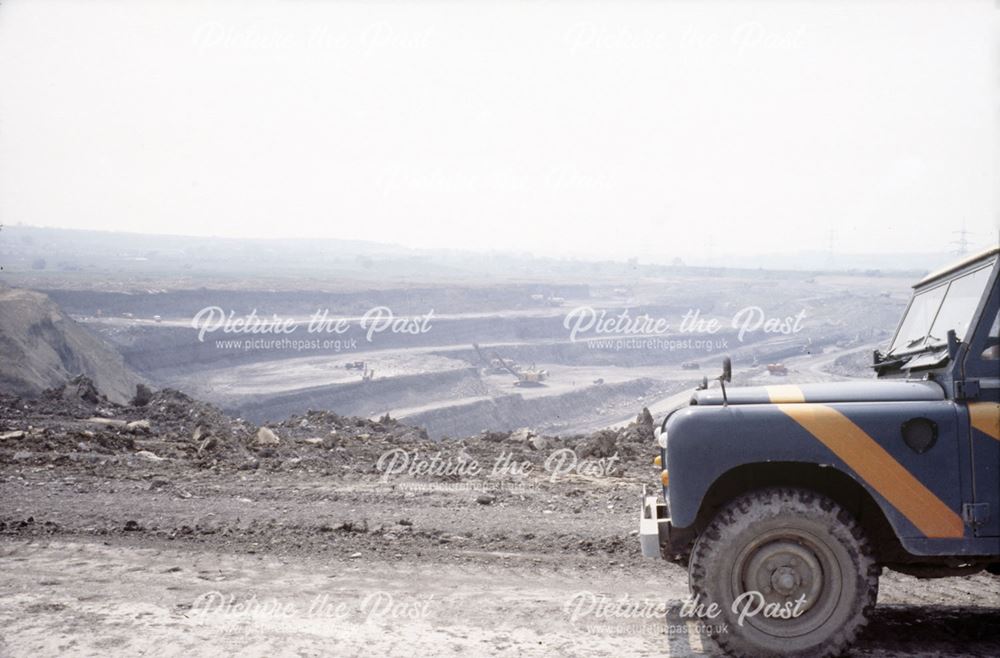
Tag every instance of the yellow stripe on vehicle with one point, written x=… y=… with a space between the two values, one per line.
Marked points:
x=785 y=393
x=985 y=417
x=878 y=468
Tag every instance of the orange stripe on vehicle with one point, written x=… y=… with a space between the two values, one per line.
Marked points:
x=785 y=393
x=985 y=417
x=878 y=468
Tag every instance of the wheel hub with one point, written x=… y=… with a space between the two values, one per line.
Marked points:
x=785 y=572
x=784 y=580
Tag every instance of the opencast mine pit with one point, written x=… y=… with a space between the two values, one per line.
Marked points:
x=453 y=377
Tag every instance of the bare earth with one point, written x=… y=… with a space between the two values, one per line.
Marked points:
x=168 y=561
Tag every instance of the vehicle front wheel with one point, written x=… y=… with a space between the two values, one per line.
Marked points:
x=789 y=571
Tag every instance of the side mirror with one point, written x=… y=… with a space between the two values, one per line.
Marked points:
x=726 y=376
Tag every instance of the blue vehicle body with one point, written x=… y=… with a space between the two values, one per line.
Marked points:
x=913 y=454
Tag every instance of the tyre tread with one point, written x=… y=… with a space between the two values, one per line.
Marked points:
x=754 y=504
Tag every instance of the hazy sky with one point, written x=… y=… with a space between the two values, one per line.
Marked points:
x=562 y=128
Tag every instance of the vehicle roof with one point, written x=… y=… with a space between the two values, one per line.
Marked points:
x=956 y=266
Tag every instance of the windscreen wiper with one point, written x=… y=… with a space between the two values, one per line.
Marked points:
x=890 y=360
x=914 y=342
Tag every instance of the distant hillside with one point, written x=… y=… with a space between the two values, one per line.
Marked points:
x=41 y=347
x=49 y=258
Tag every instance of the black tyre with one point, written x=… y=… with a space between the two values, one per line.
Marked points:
x=794 y=554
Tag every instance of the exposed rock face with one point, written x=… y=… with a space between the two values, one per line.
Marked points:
x=42 y=348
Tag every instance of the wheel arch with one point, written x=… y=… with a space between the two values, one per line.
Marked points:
x=826 y=480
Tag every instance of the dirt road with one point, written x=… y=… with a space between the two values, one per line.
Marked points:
x=168 y=561
x=94 y=598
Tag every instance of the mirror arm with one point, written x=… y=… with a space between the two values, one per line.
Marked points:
x=953 y=344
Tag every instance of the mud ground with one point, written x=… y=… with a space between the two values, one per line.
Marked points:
x=162 y=559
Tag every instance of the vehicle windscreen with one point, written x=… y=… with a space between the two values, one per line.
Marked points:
x=918 y=318
x=933 y=312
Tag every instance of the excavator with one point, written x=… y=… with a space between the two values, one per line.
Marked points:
x=524 y=377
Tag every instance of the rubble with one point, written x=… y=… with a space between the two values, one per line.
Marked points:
x=149 y=456
x=521 y=435
x=143 y=396
x=79 y=388
x=266 y=437
x=601 y=444
x=139 y=427
x=312 y=485
x=173 y=426
x=538 y=443
x=107 y=422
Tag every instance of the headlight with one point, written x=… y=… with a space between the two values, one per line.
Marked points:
x=661 y=437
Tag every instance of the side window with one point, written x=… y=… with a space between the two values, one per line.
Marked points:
x=983 y=359
x=992 y=350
